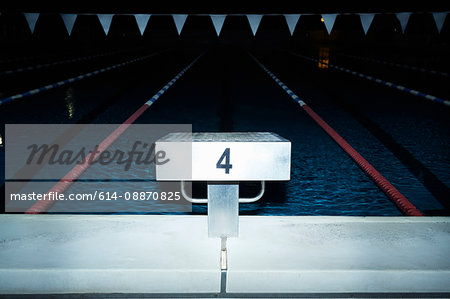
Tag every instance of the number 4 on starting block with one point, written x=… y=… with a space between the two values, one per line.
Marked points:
x=237 y=156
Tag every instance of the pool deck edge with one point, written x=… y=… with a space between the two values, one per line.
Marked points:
x=169 y=254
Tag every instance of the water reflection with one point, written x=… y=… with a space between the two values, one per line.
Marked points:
x=324 y=58
x=70 y=103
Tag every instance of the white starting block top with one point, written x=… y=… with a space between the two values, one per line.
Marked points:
x=236 y=156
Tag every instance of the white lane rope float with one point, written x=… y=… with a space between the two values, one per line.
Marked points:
x=405 y=66
x=391 y=192
x=74 y=173
x=55 y=63
x=380 y=81
x=71 y=80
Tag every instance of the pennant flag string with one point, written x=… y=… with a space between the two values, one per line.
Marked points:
x=439 y=19
x=69 y=21
x=292 y=20
x=329 y=21
x=142 y=21
x=31 y=20
x=218 y=21
x=254 y=21
x=403 y=17
x=179 y=22
x=366 y=21
x=105 y=20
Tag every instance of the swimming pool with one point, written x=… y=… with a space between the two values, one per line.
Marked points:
x=226 y=91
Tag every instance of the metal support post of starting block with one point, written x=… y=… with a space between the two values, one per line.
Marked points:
x=223 y=209
x=224 y=159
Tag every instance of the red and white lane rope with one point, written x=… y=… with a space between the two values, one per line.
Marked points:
x=74 y=173
x=392 y=193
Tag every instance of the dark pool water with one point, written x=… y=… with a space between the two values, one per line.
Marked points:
x=227 y=91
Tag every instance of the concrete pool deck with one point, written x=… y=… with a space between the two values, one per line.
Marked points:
x=158 y=254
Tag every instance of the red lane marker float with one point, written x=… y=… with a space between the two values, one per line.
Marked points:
x=391 y=192
x=394 y=195
x=74 y=173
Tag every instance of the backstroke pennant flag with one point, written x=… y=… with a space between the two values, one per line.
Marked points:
x=69 y=21
x=31 y=20
x=142 y=21
x=218 y=21
x=366 y=21
x=105 y=20
x=179 y=22
x=439 y=19
x=329 y=19
x=403 y=17
x=291 y=20
x=254 y=21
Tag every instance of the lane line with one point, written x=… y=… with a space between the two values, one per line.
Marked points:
x=403 y=204
x=380 y=81
x=409 y=67
x=50 y=64
x=74 y=173
x=71 y=80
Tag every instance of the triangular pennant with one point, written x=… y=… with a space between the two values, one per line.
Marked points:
x=439 y=18
x=329 y=19
x=179 y=22
x=218 y=21
x=69 y=21
x=292 y=20
x=366 y=21
x=31 y=20
x=142 y=21
x=105 y=20
x=403 y=17
x=254 y=21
